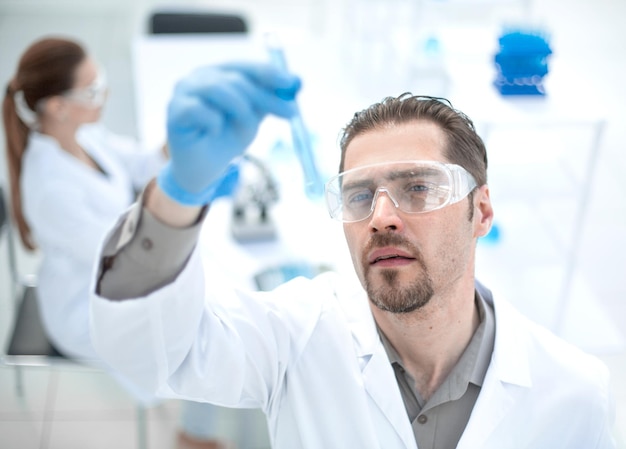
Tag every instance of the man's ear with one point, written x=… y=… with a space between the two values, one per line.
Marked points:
x=483 y=211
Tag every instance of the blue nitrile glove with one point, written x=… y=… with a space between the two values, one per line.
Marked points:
x=213 y=117
x=228 y=183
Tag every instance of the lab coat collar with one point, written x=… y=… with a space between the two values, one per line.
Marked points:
x=510 y=360
x=506 y=380
x=378 y=377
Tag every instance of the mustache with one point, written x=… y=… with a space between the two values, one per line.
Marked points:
x=390 y=239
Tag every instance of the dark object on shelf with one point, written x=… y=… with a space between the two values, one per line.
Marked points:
x=164 y=22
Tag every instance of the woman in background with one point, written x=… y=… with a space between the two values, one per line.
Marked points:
x=59 y=159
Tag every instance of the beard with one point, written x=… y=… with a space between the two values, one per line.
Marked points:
x=391 y=296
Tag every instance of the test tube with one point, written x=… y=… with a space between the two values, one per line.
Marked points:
x=313 y=185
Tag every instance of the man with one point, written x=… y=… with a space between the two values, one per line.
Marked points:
x=421 y=356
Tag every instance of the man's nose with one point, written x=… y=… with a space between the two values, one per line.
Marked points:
x=385 y=211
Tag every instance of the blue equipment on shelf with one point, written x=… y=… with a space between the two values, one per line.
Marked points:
x=522 y=62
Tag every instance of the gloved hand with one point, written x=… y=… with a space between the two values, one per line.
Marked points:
x=213 y=117
x=228 y=183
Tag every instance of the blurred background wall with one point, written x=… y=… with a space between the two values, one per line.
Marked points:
x=587 y=37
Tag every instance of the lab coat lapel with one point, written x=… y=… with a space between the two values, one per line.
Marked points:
x=506 y=381
x=379 y=379
x=495 y=401
x=381 y=385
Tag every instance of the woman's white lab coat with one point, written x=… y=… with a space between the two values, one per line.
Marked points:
x=69 y=208
x=309 y=356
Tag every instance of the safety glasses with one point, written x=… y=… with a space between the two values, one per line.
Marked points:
x=413 y=186
x=93 y=95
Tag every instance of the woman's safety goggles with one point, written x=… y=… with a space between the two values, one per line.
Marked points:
x=93 y=95
x=413 y=186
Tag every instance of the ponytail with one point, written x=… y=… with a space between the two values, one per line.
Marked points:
x=45 y=69
x=16 y=133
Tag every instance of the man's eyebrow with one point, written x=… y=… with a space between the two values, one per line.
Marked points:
x=409 y=173
x=392 y=175
x=356 y=184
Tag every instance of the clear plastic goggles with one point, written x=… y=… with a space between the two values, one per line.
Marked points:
x=414 y=187
x=93 y=95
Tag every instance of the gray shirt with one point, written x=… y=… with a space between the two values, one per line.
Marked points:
x=143 y=254
x=440 y=421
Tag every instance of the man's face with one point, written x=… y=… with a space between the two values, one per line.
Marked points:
x=403 y=259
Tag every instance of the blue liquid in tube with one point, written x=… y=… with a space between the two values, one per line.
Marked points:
x=313 y=185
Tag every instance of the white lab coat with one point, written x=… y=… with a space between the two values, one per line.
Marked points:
x=309 y=356
x=69 y=208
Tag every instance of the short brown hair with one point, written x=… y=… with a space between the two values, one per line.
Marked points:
x=464 y=146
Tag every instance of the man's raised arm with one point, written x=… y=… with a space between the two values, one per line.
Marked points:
x=212 y=118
